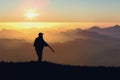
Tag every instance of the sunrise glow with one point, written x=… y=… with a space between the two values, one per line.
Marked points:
x=82 y=32
x=31 y=14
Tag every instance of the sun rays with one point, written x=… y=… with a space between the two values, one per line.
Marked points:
x=31 y=14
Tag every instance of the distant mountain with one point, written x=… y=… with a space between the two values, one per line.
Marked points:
x=95 y=36
x=113 y=31
x=95 y=33
x=94 y=28
x=113 y=28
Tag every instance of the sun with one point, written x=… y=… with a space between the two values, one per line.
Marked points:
x=31 y=14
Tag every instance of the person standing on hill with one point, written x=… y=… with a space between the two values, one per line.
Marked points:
x=39 y=44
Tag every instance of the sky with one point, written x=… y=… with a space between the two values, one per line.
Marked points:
x=82 y=32
x=61 y=10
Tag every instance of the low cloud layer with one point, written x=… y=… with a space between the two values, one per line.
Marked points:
x=93 y=47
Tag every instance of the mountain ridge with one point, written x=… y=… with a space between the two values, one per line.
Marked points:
x=52 y=71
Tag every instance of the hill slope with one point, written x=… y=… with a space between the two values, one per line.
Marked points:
x=51 y=71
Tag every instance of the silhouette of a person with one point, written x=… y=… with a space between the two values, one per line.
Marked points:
x=39 y=44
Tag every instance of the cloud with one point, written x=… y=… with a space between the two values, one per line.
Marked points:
x=89 y=47
x=4 y=33
x=84 y=47
x=86 y=52
x=16 y=50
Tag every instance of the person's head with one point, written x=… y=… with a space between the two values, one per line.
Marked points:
x=40 y=35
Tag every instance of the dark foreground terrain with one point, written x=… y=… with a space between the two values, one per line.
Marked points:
x=51 y=71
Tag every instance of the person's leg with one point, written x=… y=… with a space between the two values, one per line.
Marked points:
x=39 y=54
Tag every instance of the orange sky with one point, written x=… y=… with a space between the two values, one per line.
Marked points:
x=61 y=10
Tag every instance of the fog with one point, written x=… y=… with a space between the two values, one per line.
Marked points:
x=92 y=47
